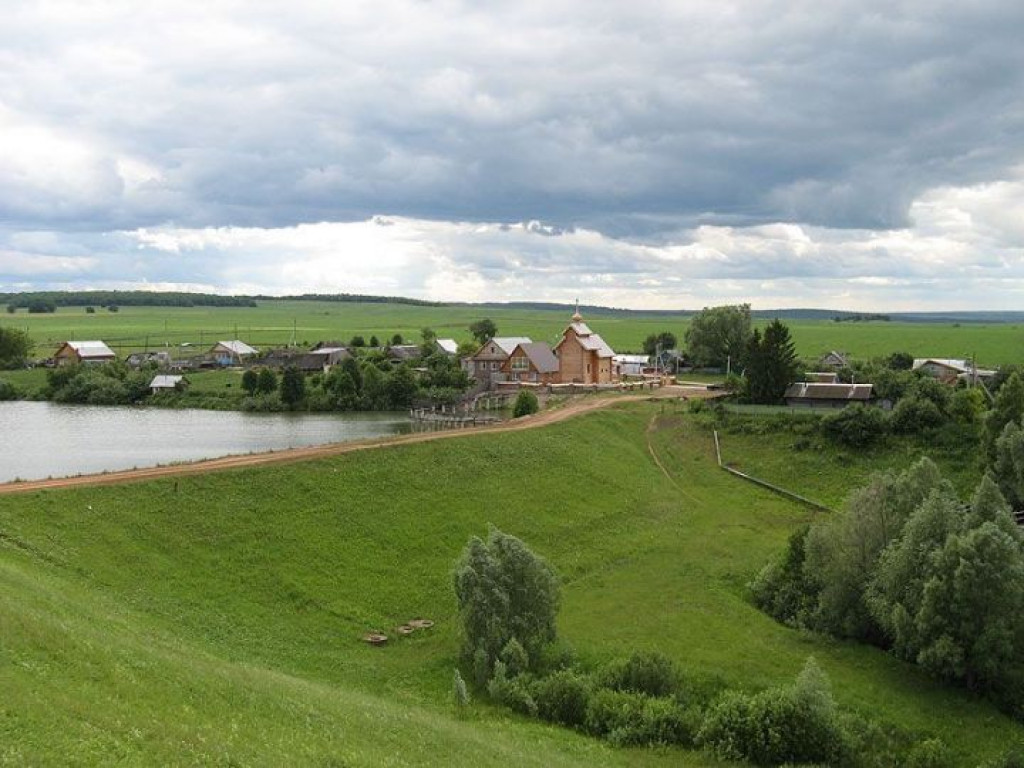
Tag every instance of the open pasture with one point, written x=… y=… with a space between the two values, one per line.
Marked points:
x=278 y=322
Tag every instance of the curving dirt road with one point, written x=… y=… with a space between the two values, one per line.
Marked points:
x=541 y=419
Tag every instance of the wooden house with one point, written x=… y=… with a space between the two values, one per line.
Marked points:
x=950 y=371
x=485 y=365
x=835 y=360
x=322 y=359
x=811 y=394
x=531 y=362
x=84 y=352
x=167 y=383
x=583 y=356
x=231 y=352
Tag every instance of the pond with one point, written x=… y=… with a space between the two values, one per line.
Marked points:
x=42 y=440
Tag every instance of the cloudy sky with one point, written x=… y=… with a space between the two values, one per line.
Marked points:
x=860 y=155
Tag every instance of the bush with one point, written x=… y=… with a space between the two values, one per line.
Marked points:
x=648 y=672
x=913 y=414
x=856 y=426
x=633 y=718
x=777 y=726
x=7 y=391
x=562 y=698
x=512 y=692
x=525 y=404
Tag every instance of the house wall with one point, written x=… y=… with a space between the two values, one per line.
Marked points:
x=572 y=360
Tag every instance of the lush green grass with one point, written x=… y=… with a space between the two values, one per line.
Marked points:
x=278 y=322
x=217 y=618
x=793 y=455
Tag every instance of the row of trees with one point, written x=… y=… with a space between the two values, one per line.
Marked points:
x=909 y=567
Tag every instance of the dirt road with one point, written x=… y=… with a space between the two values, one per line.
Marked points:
x=541 y=419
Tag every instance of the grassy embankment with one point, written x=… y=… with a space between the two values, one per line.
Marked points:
x=275 y=322
x=216 y=618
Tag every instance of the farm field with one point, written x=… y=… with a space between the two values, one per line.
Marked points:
x=216 y=618
x=276 y=322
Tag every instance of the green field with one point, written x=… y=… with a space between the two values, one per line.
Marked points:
x=276 y=322
x=216 y=619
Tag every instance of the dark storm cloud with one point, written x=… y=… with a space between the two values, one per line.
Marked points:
x=629 y=119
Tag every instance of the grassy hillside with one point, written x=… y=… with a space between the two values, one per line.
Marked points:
x=218 y=619
x=277 y=321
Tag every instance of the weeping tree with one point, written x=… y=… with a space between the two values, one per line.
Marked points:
x=506 y=594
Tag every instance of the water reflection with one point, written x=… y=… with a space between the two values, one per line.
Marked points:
x=43 y=440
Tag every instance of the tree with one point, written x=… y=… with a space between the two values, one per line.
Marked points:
x=771 y=364
x=41 y=306
x=396 y=340
x=525 y=404
x=659 y=342
x=374 y=341
x=373 y=393
x=293 y=386
x=250 y=381
x=351 y=366
x=718 y=334
x=505 y=592
x=15 y=345
x=483 y=330
x=1007 y=468
x=357 y=341
x=1009 y=406
x=266 y=381
x=12 y=308
x=900 y=361
x=400 y=387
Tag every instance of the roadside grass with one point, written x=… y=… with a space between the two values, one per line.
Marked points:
x=262 y=581
x=790 y=451
x=277 y=322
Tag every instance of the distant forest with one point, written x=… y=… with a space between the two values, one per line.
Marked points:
x=182 y=299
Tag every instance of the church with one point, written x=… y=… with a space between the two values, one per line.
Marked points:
x=583 y=356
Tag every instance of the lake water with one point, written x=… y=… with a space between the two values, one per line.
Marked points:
x=40 y=440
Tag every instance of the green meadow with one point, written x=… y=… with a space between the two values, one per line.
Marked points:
x=217 y=618
x=275 y=322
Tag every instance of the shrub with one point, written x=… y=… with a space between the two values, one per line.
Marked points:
x=647 y=672
x=459 y=692
x=633 y=718
x=856 y=426
x=7 y=391
x=913 y=414
x=781 y=588
x=525 y=404
x=562 y=698
x=515 y=658
x=512 y=692
x=777 y=726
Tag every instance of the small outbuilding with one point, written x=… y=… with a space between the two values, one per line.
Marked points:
x=231 y=352
x=167 y=383
x=631 y=365
x=84 y=352
x=809 y=394
x=323 y=359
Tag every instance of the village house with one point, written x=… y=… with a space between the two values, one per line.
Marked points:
x=835 y=360
x=531 y=362
x=139 y=359
x=84 y=352
x=322 y=359
x=485 y=365
x=231 y=352
x=949 y=371
x=809 y=394
x=583 y=356
x=167 y=383
x=631 y=365
x=449 y=347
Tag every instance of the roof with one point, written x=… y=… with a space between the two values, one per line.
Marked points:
x=633 y=359
x=539 y=353
x=581 y=328
x=595 y=343
x=451 y=346
x=165 y=381
x=404 y=351
x=814 y=391
x=327 y=351
x=86 y=349
x=508 y=343
x=237 y=347
x=961 y=366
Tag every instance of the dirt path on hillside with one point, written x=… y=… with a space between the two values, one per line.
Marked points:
x=542 y=419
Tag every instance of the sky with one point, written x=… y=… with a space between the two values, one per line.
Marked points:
x=849 y=155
